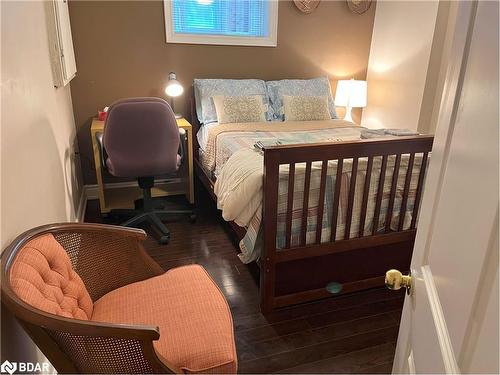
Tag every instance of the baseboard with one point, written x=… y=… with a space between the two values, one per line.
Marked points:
x=92 y=191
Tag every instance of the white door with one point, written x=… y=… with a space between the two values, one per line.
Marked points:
x=450 y=319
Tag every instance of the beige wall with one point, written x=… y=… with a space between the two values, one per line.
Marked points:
x=121 y=51
x=399 y=59
x=40 y=182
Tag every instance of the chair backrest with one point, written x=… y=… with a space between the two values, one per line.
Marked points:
x=52 y=275
x=141 y=138
x=43 y=277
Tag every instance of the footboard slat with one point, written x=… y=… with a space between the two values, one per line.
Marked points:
x=336 y=197
x=303 y=268
x=321 y=200
x=289 y=207
x=366 y=190
x=406 y=190
x=350 y=199
x=392 y=197
x=305 y=204
x=380 y=193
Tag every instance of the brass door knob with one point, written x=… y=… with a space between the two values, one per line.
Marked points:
x=395 y=280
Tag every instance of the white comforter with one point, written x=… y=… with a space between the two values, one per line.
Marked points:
x=239 y=187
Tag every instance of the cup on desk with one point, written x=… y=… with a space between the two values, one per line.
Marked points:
x=101 y=115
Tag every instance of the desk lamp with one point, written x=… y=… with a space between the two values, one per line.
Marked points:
x=173 y=89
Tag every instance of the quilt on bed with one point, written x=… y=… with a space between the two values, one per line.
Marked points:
x=239 y=170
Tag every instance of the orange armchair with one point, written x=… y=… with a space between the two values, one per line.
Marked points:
x=95 y=302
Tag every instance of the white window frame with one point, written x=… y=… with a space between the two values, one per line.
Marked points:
x=269 y=41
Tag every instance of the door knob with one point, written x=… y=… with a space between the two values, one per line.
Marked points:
x=395 y=280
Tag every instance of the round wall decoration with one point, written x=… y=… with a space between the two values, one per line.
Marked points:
x=306 y=6
x=359 y=6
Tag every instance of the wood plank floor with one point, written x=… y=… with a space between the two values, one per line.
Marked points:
x=353 y=333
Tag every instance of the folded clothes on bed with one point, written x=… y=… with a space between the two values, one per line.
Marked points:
x=377 y=133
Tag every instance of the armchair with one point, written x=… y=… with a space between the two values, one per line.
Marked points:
x=95 y=302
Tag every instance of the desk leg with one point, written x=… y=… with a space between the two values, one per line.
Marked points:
x=98 y=173
x=190 y=194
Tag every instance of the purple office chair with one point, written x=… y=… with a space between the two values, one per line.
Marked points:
x=141 y=139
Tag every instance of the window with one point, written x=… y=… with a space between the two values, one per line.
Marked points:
x=229 y=22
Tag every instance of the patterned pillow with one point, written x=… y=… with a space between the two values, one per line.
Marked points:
x=205 y=89
x=234 y=109
x=305 y=108
x=298 y=87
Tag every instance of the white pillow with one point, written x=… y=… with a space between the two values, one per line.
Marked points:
x=305 y=108
x=235 y=109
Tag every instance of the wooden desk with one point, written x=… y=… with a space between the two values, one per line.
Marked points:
x=123 y=195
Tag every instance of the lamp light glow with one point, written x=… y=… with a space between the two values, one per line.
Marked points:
x=173 y=88
x=350 y=94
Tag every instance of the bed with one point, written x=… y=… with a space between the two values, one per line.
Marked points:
x=322 y=211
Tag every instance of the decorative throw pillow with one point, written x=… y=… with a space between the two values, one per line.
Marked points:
x=234 y=109
x=298 y=87
x=305 y=108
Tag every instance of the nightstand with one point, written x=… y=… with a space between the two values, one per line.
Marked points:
x=123 y=194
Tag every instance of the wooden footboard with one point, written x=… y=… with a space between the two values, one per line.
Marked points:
x=299 y=273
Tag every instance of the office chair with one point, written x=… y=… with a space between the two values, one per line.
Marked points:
x=141 y=139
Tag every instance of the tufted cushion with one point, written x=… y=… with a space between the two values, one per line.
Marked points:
x=43 y=277
x=196 y=327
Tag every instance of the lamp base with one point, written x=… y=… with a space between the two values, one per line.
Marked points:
x=348 y=115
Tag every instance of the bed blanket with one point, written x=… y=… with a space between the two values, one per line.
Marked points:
x=209 y=155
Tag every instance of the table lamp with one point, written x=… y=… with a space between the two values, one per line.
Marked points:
x=350 y=94
x=173 y=89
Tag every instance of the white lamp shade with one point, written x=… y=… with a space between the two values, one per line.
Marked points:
x=351 y=93
x=173 y=88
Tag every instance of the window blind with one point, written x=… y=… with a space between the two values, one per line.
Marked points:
x=244 y=18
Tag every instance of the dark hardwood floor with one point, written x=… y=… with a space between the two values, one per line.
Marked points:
x=353 y=333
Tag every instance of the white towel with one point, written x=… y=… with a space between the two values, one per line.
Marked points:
x=378 y=133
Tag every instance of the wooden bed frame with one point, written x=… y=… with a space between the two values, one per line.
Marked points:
x=299 y=274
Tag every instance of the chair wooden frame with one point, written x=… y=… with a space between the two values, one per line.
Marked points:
x=42 y=326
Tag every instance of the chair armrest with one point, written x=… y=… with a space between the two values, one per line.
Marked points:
x=107 y=344
x=102 y=152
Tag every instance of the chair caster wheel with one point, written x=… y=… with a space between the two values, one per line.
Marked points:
x=164 y=240
x=192 y=218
